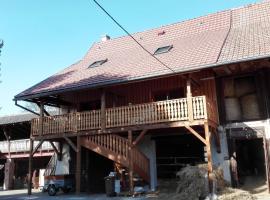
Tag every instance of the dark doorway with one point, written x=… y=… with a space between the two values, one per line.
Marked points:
x=250 y=159
x=94 y=168
x=177 y=151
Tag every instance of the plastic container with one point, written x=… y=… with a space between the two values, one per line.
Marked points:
x=117 y=187
x=110 y=186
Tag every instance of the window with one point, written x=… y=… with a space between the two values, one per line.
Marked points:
x=98 y=63
x=164 y=49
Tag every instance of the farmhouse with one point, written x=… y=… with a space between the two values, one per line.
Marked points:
x=203 y=96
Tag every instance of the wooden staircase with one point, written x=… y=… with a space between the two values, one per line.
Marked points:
x=119 y=150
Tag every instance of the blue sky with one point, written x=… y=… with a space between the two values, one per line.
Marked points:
x=42 y=37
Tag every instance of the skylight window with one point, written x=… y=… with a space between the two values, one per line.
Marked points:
x=164 y=49
x=98 y=63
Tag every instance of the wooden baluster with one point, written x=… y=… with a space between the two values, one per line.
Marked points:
x=205 y=107
x=189 y=101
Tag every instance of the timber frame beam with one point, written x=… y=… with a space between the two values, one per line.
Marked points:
x=196 y=134
x=138 y=139
x=37 y=147
x=73 y=146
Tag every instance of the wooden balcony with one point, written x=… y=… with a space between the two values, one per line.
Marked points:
x=193 y=111
x=22 y=146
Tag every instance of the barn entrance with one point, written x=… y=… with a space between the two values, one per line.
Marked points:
x=175 y=152
x=250 y=164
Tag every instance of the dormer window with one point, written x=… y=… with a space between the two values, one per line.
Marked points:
x=164 y=49
x=98 y=63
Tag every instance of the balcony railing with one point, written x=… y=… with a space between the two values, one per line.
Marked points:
x=140 y=114
x=22 y=146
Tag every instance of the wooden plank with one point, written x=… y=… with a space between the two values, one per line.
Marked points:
x=103 y=110
x=41 y=118
x=189 y=101
x=196 y=134
x=71 y=143
x=30 y=170
x=131 y=183
x=108 y=153
x=78 y=166
x=124 y=129
x=37 y=147
x=54 y=147
x=139 y=137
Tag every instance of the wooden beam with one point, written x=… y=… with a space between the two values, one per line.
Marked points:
x=124 y=129
x=71 y=143
x=131 y=183
x=30 y=171
x=103 y=110
x=78 y=166
x=138 y=139
x=5 y=130
x=189 y=101
x=45 y=111
x=209 y=155
x=41 y=115
x=54 y=147
x=196 y=134
x=37 y=147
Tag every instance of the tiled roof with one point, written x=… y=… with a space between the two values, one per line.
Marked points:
x=249 y=35
x=205 y=41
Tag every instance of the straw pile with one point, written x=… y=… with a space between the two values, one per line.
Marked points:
x=192 y=184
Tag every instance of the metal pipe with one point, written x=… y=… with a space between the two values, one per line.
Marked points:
x=27 y=109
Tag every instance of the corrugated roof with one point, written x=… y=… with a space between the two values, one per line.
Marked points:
x=210 y=40
x=11 y=119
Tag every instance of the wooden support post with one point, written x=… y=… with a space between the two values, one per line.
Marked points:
x=8 y=140
x=78 y=166
x=103 y=111
x=209 y=155
x=131 y=183
x=30 y=171
x=41 y=115
x=189 y=101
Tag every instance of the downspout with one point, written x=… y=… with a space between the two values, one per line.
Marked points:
x=27 y=109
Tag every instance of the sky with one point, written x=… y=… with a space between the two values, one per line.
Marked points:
x=45 y=36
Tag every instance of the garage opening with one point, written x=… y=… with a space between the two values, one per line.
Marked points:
x=250 y=159
x=94 y=168
x=175 y=152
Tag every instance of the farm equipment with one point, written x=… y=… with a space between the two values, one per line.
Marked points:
x=55 y=183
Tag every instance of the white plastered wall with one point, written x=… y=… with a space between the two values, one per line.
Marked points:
x=62 y=167
x=148 y=147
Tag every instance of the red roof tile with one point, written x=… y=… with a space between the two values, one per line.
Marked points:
x=205 y=41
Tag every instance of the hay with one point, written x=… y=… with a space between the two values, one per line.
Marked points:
x=192 y=184
x=235 y=194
